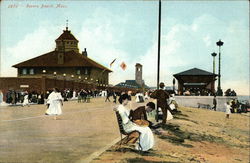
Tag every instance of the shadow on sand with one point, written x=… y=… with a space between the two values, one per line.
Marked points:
x=178 y=137
x=150 y=152
x=140 y=160
x=184 y=117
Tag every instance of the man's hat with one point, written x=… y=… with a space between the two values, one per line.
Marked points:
x=161 y=85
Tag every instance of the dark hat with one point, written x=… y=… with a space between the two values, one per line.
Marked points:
x=161 y=85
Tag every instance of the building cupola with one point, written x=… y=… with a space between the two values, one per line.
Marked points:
x=67 y=42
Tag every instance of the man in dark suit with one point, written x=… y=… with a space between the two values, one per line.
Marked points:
x=140 y=113
x=161 y=96
x=109 y=93
x=214 y=103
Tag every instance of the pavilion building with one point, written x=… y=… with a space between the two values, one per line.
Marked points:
x=196 y=81
x=64 y=67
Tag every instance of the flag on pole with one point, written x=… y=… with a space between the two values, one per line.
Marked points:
x=123 y=66
x=112 y=62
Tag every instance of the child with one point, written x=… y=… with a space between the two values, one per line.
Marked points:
x=228 y=109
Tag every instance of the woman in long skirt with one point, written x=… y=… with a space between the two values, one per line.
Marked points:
x=55 y=102
x=26 y=99
x=146 y=135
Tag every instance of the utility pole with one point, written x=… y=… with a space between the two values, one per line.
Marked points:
x=159 y=46
x=159 y=52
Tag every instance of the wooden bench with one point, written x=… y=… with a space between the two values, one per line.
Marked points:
x=206 y=106
x=131 y=137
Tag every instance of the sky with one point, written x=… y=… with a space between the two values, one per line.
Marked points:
x=128 y=31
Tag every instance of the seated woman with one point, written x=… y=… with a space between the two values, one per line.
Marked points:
x=146 y=135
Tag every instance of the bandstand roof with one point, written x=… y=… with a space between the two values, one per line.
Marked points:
x=195 y=72
x=195 y=76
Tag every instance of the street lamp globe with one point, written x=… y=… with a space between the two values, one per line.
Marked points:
x=219 y=43
x=214 y=54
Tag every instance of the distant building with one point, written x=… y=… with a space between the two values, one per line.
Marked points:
x=138 y=83
x=65 y=62
x=63 y=67
x=196 y=81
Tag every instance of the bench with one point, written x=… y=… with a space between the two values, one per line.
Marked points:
x=206 y=106
x=131 y=136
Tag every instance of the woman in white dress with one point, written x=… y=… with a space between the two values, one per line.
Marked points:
x=228 y=107
x=1 y=97
x=55 y=102
x=26 y=99
x=146 y=135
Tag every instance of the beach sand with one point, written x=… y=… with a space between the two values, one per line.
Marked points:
x=194 y=135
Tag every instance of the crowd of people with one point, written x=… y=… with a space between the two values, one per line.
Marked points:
x=135 y=119
x=198 y=92
x=132 y=119
x=14 y=97
x=238 y=107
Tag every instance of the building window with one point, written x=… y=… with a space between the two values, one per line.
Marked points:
x=31 y=72
x=24 y=71
x=78 y=72
x=86 y=72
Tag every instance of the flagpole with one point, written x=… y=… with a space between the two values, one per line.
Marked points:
x=159 y=52
x=159 y=46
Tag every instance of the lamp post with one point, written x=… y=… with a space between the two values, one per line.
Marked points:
x=213 y=55
x=44 y=82
x=72 y=77
x=174 y=85
x=55 y=78
x=97 y=82
x=80 y=80
x=219 y=90
x=64 y=76
x=44 y=73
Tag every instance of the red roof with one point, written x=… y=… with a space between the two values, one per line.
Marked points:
x=71 y=58
x=66 y=35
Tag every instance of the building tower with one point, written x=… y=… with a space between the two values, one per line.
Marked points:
x=65 y=42
x=138 y=74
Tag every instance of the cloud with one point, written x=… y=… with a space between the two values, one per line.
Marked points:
x=38 y=42
x=102 y=35
x=207 y=40
x=186 y=46
x=183 y=46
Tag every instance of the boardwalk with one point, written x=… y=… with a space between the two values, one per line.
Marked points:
x=27 y=135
